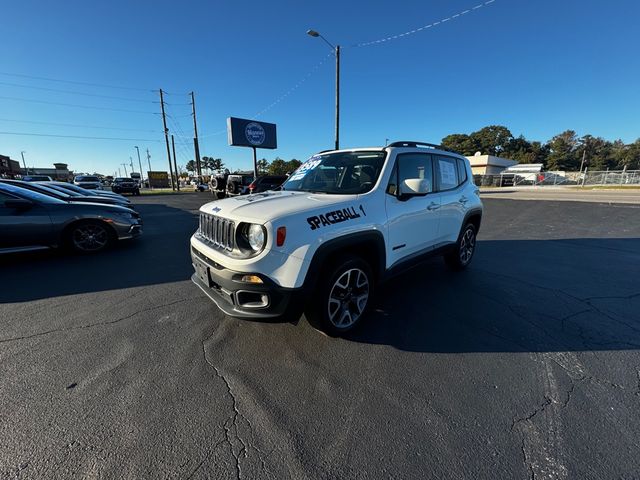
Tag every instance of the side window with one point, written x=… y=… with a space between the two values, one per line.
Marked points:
x=447 y=173
x=415 y=166
x=462 y=171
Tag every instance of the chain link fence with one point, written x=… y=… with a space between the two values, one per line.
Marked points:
x=608 y=177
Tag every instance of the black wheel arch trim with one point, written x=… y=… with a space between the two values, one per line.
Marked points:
x=344 y=243
x=474 y=212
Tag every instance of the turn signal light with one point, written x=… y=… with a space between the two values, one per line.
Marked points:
x=251 y=279
x=281 y=235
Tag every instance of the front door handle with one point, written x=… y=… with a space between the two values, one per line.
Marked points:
x=433 y=206
x=463 y=200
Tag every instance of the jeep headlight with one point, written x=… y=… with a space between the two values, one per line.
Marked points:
x=251 y=239
x=256 y=237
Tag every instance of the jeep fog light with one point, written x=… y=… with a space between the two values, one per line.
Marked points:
x=255 y=236
x=251 y=279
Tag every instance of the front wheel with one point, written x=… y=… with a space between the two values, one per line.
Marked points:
x=343 y=297
x=465 y=247
x=89 y=237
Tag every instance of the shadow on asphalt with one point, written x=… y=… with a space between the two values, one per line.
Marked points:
x=160 y=255
x=518 y=295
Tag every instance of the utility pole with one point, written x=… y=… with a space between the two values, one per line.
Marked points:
x=149 y=160
x=583 y=154
x=337 y=97
x=175 y=164
x=131 y=163
x=196 y=146
x=140 y=164
x=125 y=169
x=119 y=172
x=166 y=138
x=24 y=164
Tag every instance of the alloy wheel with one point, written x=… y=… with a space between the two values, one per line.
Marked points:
x=90 y=237
x=348 y=298
x=467 y=245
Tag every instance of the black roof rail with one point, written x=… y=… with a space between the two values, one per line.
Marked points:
x=412 y=144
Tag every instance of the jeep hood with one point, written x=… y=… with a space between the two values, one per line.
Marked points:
x=264 y=207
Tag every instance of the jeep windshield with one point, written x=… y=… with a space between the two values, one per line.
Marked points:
x=338 y=173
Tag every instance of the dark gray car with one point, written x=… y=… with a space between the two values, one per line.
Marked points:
x=66 y=195
x=30 y=220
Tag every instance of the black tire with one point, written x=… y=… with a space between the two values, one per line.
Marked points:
x=214 y=183
x=344 y=295
x=137 y=192
x=220 y=195
x=76 y=236
x=460 y=257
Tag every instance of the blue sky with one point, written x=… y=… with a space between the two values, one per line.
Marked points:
x=537 y=67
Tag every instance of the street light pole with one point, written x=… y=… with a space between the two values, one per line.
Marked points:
x=140 y=165
x=125 y=169
x=336 y=52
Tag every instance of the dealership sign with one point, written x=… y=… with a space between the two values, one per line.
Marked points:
x=250 y=133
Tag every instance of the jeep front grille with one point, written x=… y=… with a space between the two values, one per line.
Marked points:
x=218 y=231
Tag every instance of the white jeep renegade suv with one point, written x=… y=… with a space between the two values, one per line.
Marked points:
x=343 y=222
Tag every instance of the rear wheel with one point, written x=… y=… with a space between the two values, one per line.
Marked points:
x=343 y=297
x=465 y=247
x=89 y=237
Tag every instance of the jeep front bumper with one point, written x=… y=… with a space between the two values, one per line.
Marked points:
x=237 y=298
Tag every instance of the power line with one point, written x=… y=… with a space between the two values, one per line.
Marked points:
x=77 y=125
x=76 y=82
x=79 y=136
x=76 y=105
x=283 y=96
x=424 y=27
x=75 y=92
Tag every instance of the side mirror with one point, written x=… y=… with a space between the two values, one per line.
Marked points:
x=413 y=187
x=18 y=203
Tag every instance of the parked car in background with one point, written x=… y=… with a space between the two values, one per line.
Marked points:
x=238 y=184
x=36 y=178
x=201 y=186
x=89 y=182
x=30 y=220
x=66 y=195
x=219 y=184
x=83 y=191
x=266 y=182
x=125 y=185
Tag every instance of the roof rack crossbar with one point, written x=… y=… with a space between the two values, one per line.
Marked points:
x=412 y=144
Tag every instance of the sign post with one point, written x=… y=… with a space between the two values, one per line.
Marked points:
x=250 y=133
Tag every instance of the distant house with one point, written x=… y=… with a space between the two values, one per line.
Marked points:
x=9 y=168
x=489 y=164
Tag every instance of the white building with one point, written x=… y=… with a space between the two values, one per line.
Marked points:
x=488 y=164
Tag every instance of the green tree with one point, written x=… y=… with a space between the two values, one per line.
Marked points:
x=278 y=167
x=190 y=166
x=292 y=165
x=217 y=164
x=562 y=152
x=460 y=142
x=263 y=166
x=492 y=140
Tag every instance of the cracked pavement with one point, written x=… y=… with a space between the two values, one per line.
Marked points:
x=525 y=366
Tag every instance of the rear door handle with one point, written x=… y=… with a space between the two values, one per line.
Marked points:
x=433 y=206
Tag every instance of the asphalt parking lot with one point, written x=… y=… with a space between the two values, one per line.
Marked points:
x=527 y=365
